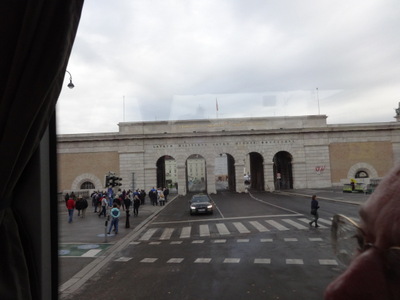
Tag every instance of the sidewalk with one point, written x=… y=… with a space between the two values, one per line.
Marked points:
x=89 y=234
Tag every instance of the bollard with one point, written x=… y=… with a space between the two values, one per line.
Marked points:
x=105 y=228
x=127 y=225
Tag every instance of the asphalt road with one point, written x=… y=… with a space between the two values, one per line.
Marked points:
x=254 y=246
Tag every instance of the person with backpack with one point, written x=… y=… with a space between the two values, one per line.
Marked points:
x=115 y=213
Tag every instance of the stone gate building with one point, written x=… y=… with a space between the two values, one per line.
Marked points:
x=273 y=152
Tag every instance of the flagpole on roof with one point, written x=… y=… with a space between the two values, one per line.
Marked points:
x=216 y=107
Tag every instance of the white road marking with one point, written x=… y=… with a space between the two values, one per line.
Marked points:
x=262 y=260
x=294 y=261
x=167 y=233
x=204 y=230
x=328 y=262
x=202 y=260
x=149 y=233
x=290 y=239
x=259 y=226
x=294 y=224
x=240 y=227
x=148 y=260
x=185 y=233
x=91 y=253
x=276 y=225
x=222 y=229
x=175 y=260
x=231 y=260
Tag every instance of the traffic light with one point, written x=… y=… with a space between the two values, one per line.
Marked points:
x=112 y=180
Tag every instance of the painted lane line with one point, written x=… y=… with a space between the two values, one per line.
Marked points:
x=276 y=225
x=219 y=241
x=294 y=261
x=231 y=260
x=315 y=239
x=176 y=242
x=202 y=260
x=328 y=262
x=290 y=239
x=198 y=242
x=240 y=227
x=175 y=260
x=243 y=240
x=266 y=240
x=149 y=260
x=262 y=260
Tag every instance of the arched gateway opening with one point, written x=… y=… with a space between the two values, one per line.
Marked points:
x=256 y=162
x=196 y=177
x=225 y=178
x=166 y=172
x=283 y=175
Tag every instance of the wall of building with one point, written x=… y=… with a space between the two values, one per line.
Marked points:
x=322 y=155
x=379 y=155
x=94 y=164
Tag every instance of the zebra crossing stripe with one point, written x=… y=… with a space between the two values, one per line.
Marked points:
x=149 y=233
x=259 y=226
x=327 y=222
x=204 y=230
x=305 y=220
x=167 y=233
x=185 y=233
x=294 y=224
x=240 y=227
x=222 y=230
x=262 y=260
x=276 y=225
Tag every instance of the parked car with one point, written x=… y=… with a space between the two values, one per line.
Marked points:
x=200 y=204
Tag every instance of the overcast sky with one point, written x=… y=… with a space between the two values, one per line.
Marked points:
x=146 y=60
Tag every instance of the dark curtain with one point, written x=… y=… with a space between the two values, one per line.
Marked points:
x=36 y=41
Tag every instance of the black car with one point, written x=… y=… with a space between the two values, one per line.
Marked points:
x=200 y=204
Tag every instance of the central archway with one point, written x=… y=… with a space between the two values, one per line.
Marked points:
x=196 y=176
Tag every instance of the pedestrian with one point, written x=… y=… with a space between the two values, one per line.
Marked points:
x=142 y=197
x=70 y=206
x=136 y=204
x=115 y=213
x=153 y=196
x=314 y=210
x=160 y=197
x=104 y=203
x=94 y=197
x=81 y=205
x=370 y=249
x=166 y=193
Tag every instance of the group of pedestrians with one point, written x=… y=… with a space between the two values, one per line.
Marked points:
x=159 y=196
x=79 y=203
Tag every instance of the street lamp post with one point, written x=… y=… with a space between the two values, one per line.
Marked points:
x=70 y=84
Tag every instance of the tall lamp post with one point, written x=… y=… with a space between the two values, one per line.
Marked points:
x=70 y=84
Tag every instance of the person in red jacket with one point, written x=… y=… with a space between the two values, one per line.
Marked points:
x=70 y=207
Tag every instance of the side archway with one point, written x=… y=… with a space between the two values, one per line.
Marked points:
x=85 y=178
x=283 y=173
x=362 y=167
